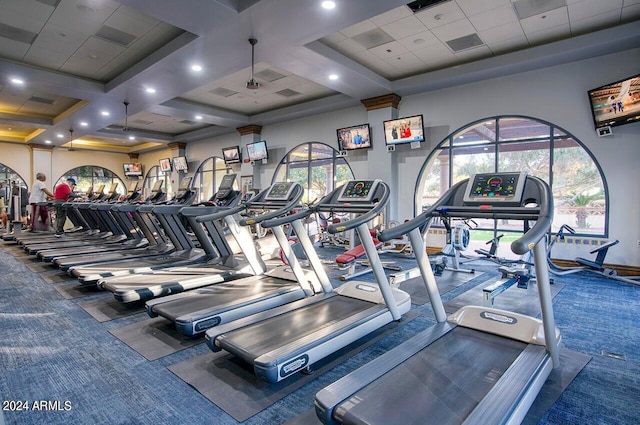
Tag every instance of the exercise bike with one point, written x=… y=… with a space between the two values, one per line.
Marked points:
x=595 y=266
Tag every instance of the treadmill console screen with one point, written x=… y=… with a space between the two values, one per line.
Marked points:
x=493 y=188
x=156 y=186
x=133 y=186
x=226 y=186
x=184 y=185
x=279 y=192
x=358 y=190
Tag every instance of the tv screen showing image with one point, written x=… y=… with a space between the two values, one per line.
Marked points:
x=231 y=155
x=354 y=137
x=180 y=163
x=165 y=165
x=257 y=151
x=616 y=103
x=404 y=130
x=132 y=169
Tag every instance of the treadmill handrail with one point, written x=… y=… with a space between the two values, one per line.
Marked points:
x=372 y=213
x=292 y=202
x=542 y=214
x=278 y=221
x=220 y=214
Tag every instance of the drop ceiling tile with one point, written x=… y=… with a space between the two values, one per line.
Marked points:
x=404 y=27
x=392 y=15
x=406 y=61
x=14 y=50
x=440 y=15
x=334 y=38
x=60 y=39
x=358 y=28
x=630 y=2
x=454 y=30
x=22 y=21
x=348 y=46
x=389 y=50
x=365 y=57
x=474 y=53
x=588 y=8
x=132 y=22
x=501 y=33
x=419 y=41
x=510 y=45
x=544 y=21
x=82 y=16
x=436 y=54
x=45 y=58
x=603 y=20
x=91 y=57
x=630 y=13
x=475 y=7
x=548 y=35
x=493 y=18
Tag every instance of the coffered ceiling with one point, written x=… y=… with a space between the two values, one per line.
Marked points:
x=72 y=64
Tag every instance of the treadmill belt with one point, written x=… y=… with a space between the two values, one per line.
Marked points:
x=264 y=337
x=211 y=298
x=441 y=384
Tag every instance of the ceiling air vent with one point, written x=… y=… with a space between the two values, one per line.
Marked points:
x=221 y=91
x=269 y=75
x=17 y=34
x=142 y=122
x=527 y=8
x=288 y=93
x=52 y=3
x=188 y=122
x=464 y=43
x=115 y=36
x=41 y=100
x=374 y=38
x=419 y=5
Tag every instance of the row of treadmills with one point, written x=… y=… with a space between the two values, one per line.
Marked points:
x=200 y=267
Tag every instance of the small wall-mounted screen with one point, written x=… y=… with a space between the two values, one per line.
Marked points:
x=231 y=155
x=132 y=169
x=257 y=151
x=180 y=163
x=165 y=165
x=616 y=103
x=354 y=137
x=404 y=130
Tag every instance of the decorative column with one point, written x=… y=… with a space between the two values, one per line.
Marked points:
x=381 y=163
x=177 y=149
x=249 y=134
x=42 y=162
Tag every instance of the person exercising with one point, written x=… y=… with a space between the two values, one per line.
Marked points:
x=62 y=193
x=39 y=193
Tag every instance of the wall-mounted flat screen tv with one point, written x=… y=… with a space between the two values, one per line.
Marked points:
x=354 y=137
x=404 y=130
x=257 y=151
x=165 y=165
x=180 y=163
x=132 y=169
x=616 y=103
x=231 y=155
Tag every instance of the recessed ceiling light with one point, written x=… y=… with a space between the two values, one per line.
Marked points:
x=105 y=113
x=198 y=117
x=196 y=68
x=151 y=90
x=84 y=123
x=132 y=137
x=328 y=4
x=48 y=142
x=333 y=77
x=419 y=41
x=59 y=135
x=17 y=81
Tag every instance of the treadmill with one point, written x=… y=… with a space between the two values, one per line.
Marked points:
x=480 y=365
x=213 y=252
x=150 y=280
x=157 y=228
x=194 y=312
x=284 y=340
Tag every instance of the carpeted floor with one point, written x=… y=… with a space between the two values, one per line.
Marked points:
x=51 y=349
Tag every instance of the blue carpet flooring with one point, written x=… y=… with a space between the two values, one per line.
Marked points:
x=53 y=350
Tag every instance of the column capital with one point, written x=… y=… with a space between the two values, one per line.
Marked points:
x=249 y=129
x=390 y=100
x=39 y=147
x=177 y=145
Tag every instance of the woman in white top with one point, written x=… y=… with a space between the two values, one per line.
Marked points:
x=39 y=214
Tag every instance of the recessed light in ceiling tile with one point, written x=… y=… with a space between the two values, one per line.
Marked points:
x=419 y=41
x=17 y=81
x=150 y=90
x=328 y=4
x=132 y=137
x=48 y=142
x=84 y=124
x=198 y=117
x=196 y=68
x=105 y=113
x=333 y=77
x=59 y=135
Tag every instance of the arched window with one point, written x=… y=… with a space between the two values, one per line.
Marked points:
x=8 y=175
x=9 y=178
x=153 y=175
x=208 y=176
x=515 y=143
x=316 y=166
x=88 y=176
